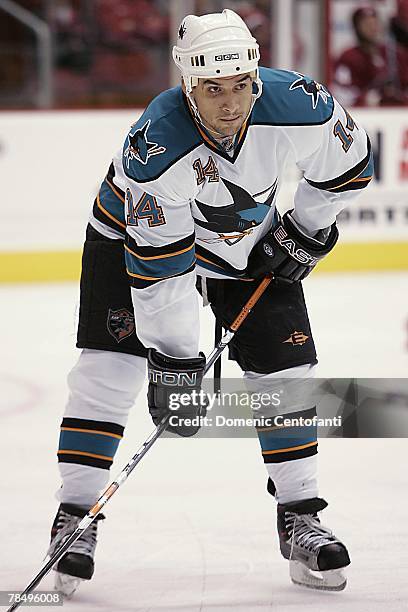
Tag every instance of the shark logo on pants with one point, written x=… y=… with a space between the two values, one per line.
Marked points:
x=120 y=323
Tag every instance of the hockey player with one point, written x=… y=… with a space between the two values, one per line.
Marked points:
x=192 y=195
x=361 y=72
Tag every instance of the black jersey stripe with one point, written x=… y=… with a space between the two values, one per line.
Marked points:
x=345 y=178
x=118 y=192
x=111 y=172
x=150 y=252
x=104 y=216
x=225 y=267
x=109 y=179
x=361 y=181
x=142 y=283
x=352 y=186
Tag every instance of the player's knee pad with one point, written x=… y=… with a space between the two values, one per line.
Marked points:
x=289 y=430
x=290 y=390
x=103 y=387
x=307 y=370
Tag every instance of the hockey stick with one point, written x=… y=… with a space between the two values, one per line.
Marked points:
x=129 y=467
x=217 y=364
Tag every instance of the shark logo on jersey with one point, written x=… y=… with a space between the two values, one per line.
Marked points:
x=140 y=148
x=237 y=220
x=311 y=88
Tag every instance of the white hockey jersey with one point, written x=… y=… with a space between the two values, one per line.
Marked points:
x=192 y=208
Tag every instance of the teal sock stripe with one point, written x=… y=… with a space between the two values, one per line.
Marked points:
x=286 y=437
x=287 y=443
x=94 y=443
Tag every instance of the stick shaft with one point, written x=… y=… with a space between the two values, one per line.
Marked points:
x=230 y=333
x=138 y=456
x=94 y=511
x=251 y=303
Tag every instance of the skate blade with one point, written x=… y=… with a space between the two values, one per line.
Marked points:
x=330 y=580
x=67 y=585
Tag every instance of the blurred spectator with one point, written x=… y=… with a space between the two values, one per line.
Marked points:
x=396 y=91
x=73 y=51
x=131 y=53
x=109 y=53
x=106 y=52
x=361 y=72
x=130 y=23
x=71 y=35
x=256 y=15
x=17 y=58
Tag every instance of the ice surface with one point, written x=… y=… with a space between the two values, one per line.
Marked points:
x=194 y=529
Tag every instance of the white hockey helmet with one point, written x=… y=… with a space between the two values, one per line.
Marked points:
x=215 y=46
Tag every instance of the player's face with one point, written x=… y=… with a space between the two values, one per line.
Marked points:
x=224 y=103
x=370 y=28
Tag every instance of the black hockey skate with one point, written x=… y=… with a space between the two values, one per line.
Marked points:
x=316 y=557
x=78 y=563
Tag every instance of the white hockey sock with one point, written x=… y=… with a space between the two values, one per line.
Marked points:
x=103 y=387
x=295 y=479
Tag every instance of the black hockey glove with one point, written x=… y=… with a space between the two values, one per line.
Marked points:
x=289 y=253
x=174 y=387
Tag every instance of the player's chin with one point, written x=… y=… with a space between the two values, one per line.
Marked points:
x=229 y=128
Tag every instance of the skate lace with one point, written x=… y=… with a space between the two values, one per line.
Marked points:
x=65 y=526
x=308 y=532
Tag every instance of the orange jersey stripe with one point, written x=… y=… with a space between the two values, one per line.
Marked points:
x=159 y=256
x=153 y=278
x=361 y=180
x=115 y=192
x=210 y=262
x=221 y=268
x=98 y=201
